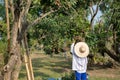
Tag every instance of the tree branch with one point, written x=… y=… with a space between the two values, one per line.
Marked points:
x=93 y=16
x=94 y=13
x=23 y=13
x=12 y=8
x=36 y=21
x=111 y=53
x=26 y=9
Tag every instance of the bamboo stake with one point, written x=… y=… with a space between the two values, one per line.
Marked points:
x=31 y=68
x=28 y=57
x=27 y=68
x=26 y=62
x=8 y=26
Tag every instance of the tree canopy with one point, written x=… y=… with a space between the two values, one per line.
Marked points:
x=54 y=23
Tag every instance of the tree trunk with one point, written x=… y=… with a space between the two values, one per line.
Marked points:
x=19 y=28
x=112 y=54
x=12 y=68
x=16 y=70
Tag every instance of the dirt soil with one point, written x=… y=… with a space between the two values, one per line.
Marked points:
x=105 y=72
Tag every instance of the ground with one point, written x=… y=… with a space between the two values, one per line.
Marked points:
x=45 y=66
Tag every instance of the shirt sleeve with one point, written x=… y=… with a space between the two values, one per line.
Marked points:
x=71 y=48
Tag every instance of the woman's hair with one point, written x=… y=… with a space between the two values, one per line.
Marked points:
x=77 y=39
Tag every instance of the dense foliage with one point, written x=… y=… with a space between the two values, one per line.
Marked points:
x=54 y=23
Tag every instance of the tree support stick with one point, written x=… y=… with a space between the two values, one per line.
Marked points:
x=8 y=26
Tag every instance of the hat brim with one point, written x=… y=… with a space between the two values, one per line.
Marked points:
x=77 y=47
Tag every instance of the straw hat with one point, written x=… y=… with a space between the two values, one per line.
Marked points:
x=81 y=49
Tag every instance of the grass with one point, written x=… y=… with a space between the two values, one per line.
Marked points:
x=45 y=66
x=58 y=66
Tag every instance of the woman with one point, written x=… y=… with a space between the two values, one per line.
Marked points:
x=79 y=62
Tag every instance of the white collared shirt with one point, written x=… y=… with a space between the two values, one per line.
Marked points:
x=78 y=64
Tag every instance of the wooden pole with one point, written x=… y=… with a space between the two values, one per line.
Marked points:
x=29 y=62
x=8 y=26
x=31 y=68
x=26 y=62
x=27 y=68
